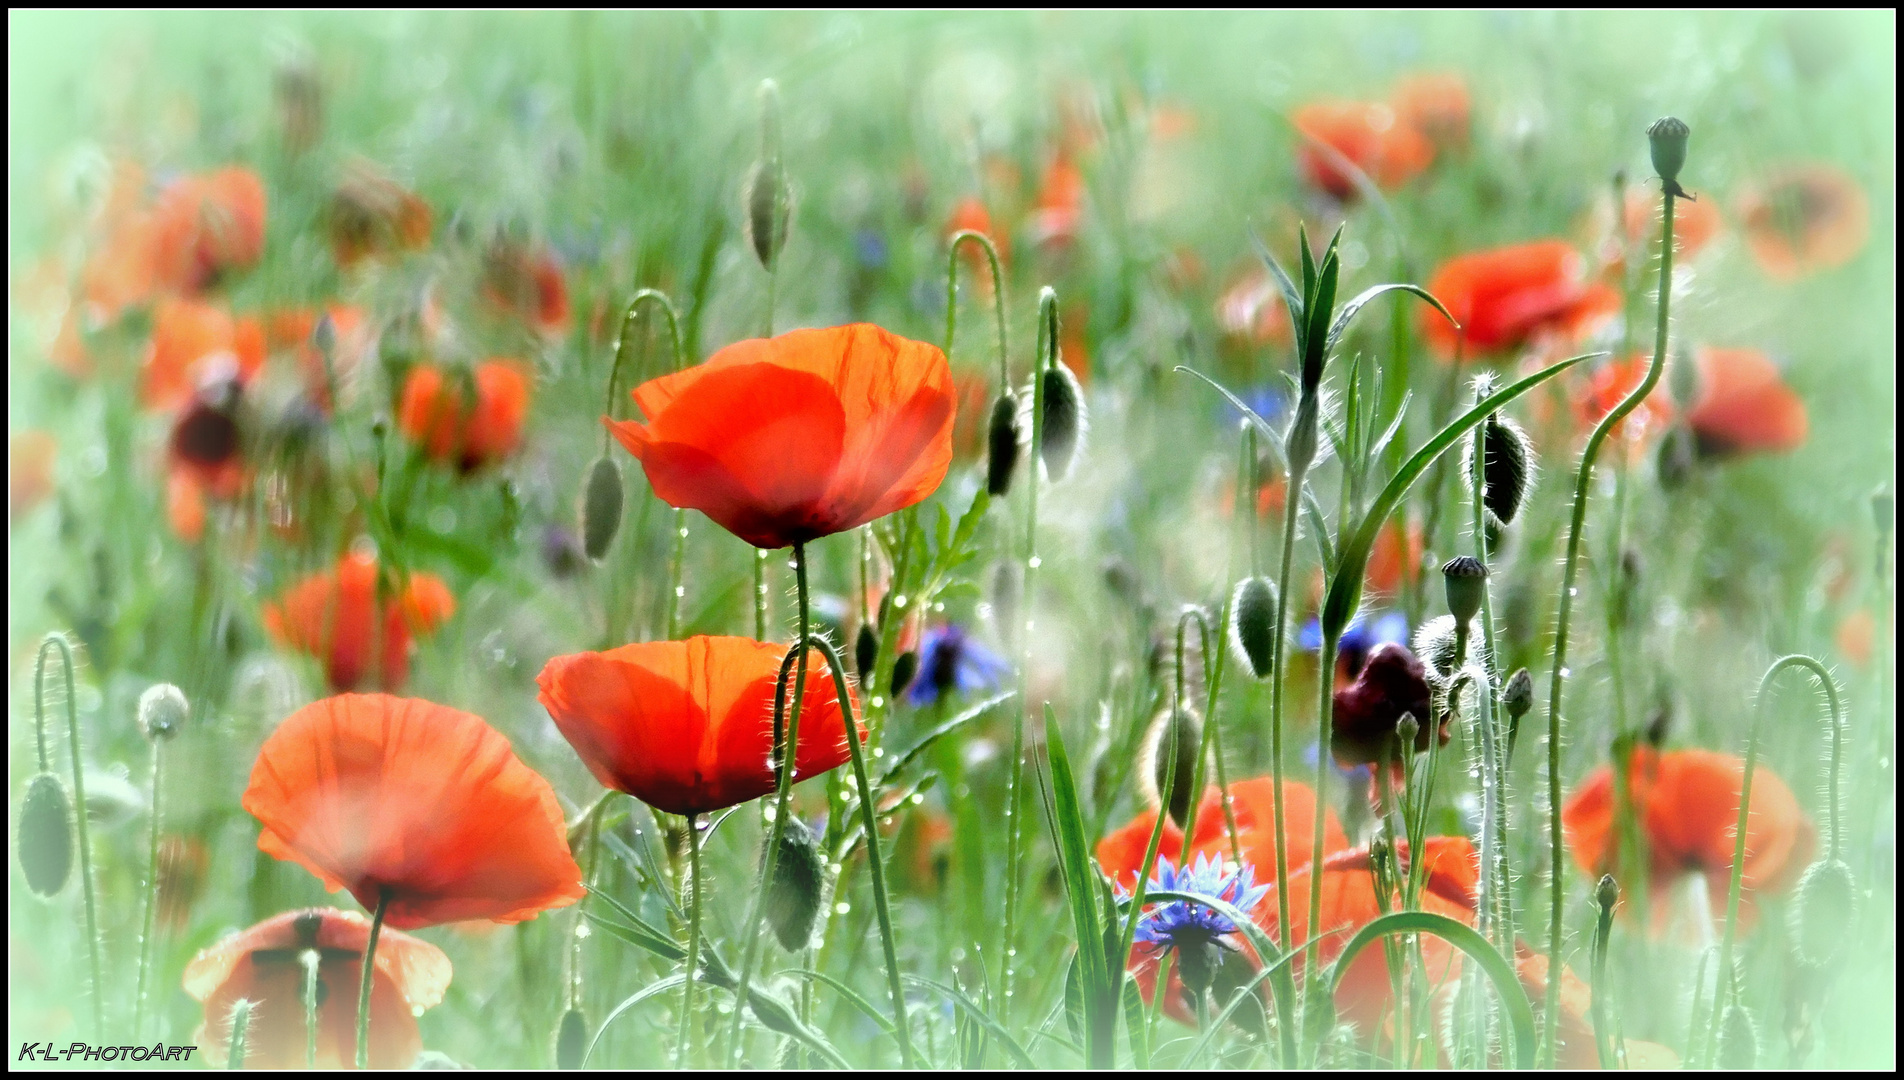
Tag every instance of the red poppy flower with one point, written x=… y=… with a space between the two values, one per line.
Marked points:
x=1396 y=554
x=205 y=226
x=435 y=413
x=1121 y=853
x=1505 y=296
x=1855 y=636
x=183 y=862
x=333 y=616
x=1744 y=404
x=1252 y=309
x=970 y=214
x=195 y=343
x=971 y=423
x=263 y=965
x=1370 y=136
x=203 y=457
x=1060 y=207
x=1804 y=218
x=1609 y=386
x=30 y=457
x=1576 y=1048
x=1390 y=684
x=413 y=804
x=1687 y=803
x=687 y=726
x=372 y=215
x=1435 y=103
x=527 y=284
x=792 y=438
x=1696 y=223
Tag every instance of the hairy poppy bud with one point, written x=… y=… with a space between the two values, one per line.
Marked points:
x=1064 y=420
x=1253 y=624
x=45 y=841
x=1518 y=694
x=769 y=201
x=1626 y=587
x=1002 y=443
x=1507 y=467
x=162 y=711
x=1822 y=909
x=903 y=670
x=1466 y=581
x=1682 y=377
x=1666 y=138
x=601 y=507
x=865 y=651
x=1435 y=646
x=1738 y=1039
x=1678 y=452
x=1407 y=730
x=1606 y=894
x=571 y=1040
x=1170 y=753
x=793 y=898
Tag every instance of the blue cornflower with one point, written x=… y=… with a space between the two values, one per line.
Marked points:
x=951 y=661
x=1360 y=639
x=1269 y=400
x=1197 y=932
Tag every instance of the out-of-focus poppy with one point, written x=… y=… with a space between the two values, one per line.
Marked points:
x=1506 y=296
x=1575 y=1047
x=438 y=415
x=194 y=343
x=1856 y=633
x=1121 y=852
x=182 y=865
x=1609 y=386
x=292 y=330
x=1395 y=556
x=929 y=849
x=372 y=215
x=1059 y=209
x=334 y=616
x=686 y=726
x=1435 y=103
x=1804 y=218
x=206 y=226
x=1696 y=224
x=792 y=438
x=970 y=214
x=1744 y=404
x=1074 y=350
x=1687 y=803
x=969 y=430
x=30 y=456
x=1252 y=310
x=204 y=457
x=264 y=965
x=120 y=273
x=1370 y=136
x=528 y=284
x=1391 y=683
x=415 y=805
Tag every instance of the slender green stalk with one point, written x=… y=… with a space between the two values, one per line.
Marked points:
x=309 y=960
x=969 y=236
x=1602 y=1028
x=685 y=1035
x=656 y=298
x=365 y=980
x=241 y=1033
x=1292 y=500
x=1557 y=854
x=151 y=889
x=57 y=641
x=1494 y=872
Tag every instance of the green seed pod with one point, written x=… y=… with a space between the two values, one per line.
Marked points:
x=1507 y=467
x=1738 y=1039
x=1003 y=445
x=1175 y=734
x=571 y=1040
x=1253 y=630
x=1518 y=694
x=904 y=669
x=793 y=899
x=1667 y=138
x=1606 y=893
x=1823 y=907
x=162 y=711
x=45 y=840
x=601 y=507
x=1466 y=581
x=1064 y=420
x=865 y=651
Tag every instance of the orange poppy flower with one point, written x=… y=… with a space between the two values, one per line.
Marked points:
x=372 y=215
x=792 y=438
x=527 y=284
x=1505 y=296
x=1696 y=222
x=1060 y=207
x=413 y=804
x=194 y=343
x=972 y=421
x=333 y=616
x=1252 y=310
x=1370 y=136
x=1856 y=634
x=204 y=458
x=435 y=414
x=970 y=213
x=291 y=330
x=1397 y=553
x=30 y=457
x=1121 y=852
x=1435 y=103
x=1687 y=802
x=1803 y=218
x=1575 y=1047
x=263 y=965
x=1609 y=386
x=686 y=726
x=205 y=226
x=1744 y=404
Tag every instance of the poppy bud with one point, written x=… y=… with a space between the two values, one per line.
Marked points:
x=601 y=507
x=1466 y=581
x=240 y=1028
x=903 y=670
x=1678 y=451
x=1003 y=445
x=1606 y=894
x=1171 y=748
x=1253 y=624
x=865 y=651
x=1738 y=1039
x=1825 y=903
x=45 y=841
x=1507 y=467
x=571 y=1040
x=162 y=711
x=1435 y=646
x=793 y=898
x=1518 y=694
x=1682 y=376
x=1666 y=139
x=768 y=203
x=1064 y=420
x=1626 y=587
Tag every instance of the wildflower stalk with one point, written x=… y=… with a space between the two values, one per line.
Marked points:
x=1495 y=922
x=1550 y=1021
x=786 y=751
x=691 y=976
x=58 y=642
x=678 y=359
x=1606 y=896
x=309 y=960
x=241 y=1032
x=969 y=236
x=363 y=982
x=1292 y=500
x=151 y=889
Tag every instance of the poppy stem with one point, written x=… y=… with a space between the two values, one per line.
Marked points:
x=1494 y=870
x=151 y=889
x=309 y=960
x=58 y=641
x=1292 y=500
x=1602 y=1028
x=364 y=981
x=694 y=943
x=650 y=297
x=1557 y=851
x=964 y=236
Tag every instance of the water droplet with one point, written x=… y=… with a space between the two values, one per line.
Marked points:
x=1030 y=625
x=880 y=751
x=919 y=797
x=582 y=930
x=1035 y=562
x=793 y=565
x=1576 y=592
x=1568 y=672
x=900 y=600
x=682 y=590
x=683 y=531
x=842 y=908
x=702 y=824
x=767 y=814
x=941 y=606
x=880 y=702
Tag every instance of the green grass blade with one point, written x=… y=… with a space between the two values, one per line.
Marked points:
x=1497 y=968
x=1012 y=1046
x=1354 y=307
x=1080 y=883
x=852 y=996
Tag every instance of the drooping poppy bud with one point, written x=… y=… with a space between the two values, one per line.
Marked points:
x=571 y=1040
x=799 y=881
x=865 y=651
x=1253 y=624
x=1064 y=420
x=1678 y=453
x=1518 y=694
x=1507 y=467
x=1666 y=139
x=601 y=507
x=1170 y=760
x=1738 y=1039
x=162 y=711
x=903 y=670
x=1466 y=581
x=1002 y=445
x=45 y=840
x=1824 y=905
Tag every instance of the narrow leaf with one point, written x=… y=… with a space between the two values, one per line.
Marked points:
x=1354 y=307
x=1012 y=1046
x=1291 y=298
x=1501 y=973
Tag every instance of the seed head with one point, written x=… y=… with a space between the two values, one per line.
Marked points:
x=1466 y=581
x=162 y=711
x=1666 y=138
x=1253 y=624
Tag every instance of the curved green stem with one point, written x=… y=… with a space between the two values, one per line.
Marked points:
x=1550 y=1020
x=691 y=976
x=57 y=641
x=364 y=981
x=651 y=297
x=151 y=888
x=964 y=236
